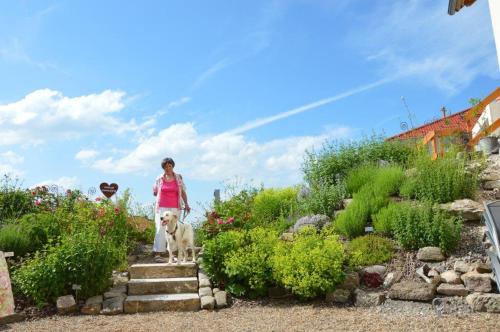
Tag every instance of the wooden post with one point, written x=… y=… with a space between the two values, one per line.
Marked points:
x=217 y=195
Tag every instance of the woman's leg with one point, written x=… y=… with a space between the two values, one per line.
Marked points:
x=159 y=245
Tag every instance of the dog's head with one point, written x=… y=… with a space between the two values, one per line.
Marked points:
x=169 y=218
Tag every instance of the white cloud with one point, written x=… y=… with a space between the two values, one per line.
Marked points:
x=84 y=155
x=9 y=161
x=45 y=114
x=64 y=182
x=419 y=39
x=220 y=157
x=11 y=157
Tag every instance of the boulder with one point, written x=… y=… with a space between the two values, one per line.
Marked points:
x=430 y=254
x=412 y=291
x=477 y=282
x=491 y=185
x=368 y=299
x=205 y=291
x=429 y=275
x=392 y=278
x=66 y=304
x=92 y=306
x=118 y=291
x=205 y=282
x=221 y=300
x=484 y=302
x=480 y=267
x=461 y=266
x=452 y=290
x=207 y=302
x=351 y=281
x=215 y=290
x=339 y=296
x=316 y=220
x=451 y=277
x=113 y=306
x=468 y=209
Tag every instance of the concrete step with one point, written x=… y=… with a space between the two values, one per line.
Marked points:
x=163 y=286
x=162 y=302
x=163 y=270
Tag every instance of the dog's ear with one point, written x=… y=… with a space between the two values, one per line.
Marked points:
x=175 y=216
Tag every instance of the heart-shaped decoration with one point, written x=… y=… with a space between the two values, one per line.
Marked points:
x=108 y=190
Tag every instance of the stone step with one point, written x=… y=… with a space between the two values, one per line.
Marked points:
x=163 y=270
x=162 y=302
x=163 y=286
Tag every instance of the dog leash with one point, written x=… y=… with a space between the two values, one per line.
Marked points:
x=184 y=215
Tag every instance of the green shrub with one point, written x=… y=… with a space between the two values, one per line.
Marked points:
x=369 y=250
x=310 y=265
x=360 y=176
x=13 y=238
x=352 y=221
x=332 y=164
x=86 y=259
x=388 y=180
x=324 y=200
x=383 y=219
x=442 y=180
x=216 y=250
x=14 y=201
x=248 y=267
x=270 y=204
x=420 y=225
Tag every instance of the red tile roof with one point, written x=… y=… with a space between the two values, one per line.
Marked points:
x=455 y=121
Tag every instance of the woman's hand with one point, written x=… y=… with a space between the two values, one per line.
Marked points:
x=188 y=208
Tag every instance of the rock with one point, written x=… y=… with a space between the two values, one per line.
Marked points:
x=118 y=291
x=207 y=302
x=92 y=306
x=433 y=273
x=205 y=291
x=468 y=209
x=277 y=292
x=477 y=282
x=351 y=281
x=287 y=237
x=368 y=299
x=373 y=276
x=346 y=202
x=429 y=275
x=451 y=277
x=66 y=304
x=379 y=269
x=119 y=278
x=204 y=283
x=303 y=193
x=392 y=278
x=316 y=220
x=412 y=291
x=491 y=185
x=215 y=290
x=221 y=300
x=430 y=254
x=461 y=266
x=480 y=267
x=484 y=302
x=339 y=296
x=452 y=290
x=113 y=306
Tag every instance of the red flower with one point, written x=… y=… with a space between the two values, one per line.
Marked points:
x=37 y=202
x=117 y=210
x=98 y=199
x=230 y=220
x=211 y=221
x=220 y=221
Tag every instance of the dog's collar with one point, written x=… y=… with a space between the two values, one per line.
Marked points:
x=173 y=233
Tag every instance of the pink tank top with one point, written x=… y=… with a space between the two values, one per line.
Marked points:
x=169 y=194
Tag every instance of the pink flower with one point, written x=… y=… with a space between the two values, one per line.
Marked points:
x=98 y=199
x=37 y=202
x=230 y=220
x=220 y=221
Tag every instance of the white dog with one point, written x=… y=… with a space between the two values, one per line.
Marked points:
x=179 y=236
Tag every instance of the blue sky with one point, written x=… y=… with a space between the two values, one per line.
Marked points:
x=101 y=91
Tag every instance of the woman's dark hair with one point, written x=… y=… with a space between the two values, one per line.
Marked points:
x=167 y=161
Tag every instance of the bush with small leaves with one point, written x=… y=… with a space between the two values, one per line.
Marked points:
x=369 y=250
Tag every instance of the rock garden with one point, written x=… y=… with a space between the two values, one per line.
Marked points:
x=376 y=225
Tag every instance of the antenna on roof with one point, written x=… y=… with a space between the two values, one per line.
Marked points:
x=410 y=114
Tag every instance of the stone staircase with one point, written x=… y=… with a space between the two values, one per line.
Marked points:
x=160 y=287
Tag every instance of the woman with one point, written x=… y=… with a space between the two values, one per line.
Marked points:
x=170 y=193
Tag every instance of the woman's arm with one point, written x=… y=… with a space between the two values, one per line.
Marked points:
x=184 y=198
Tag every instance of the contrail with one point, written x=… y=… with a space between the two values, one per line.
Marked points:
x=264 y=121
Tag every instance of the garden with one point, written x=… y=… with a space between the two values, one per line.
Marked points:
x=362 y=204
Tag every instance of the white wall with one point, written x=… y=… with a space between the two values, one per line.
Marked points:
x=495 y=21
x=490 y=114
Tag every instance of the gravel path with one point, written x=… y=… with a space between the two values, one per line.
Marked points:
x=253 y=316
